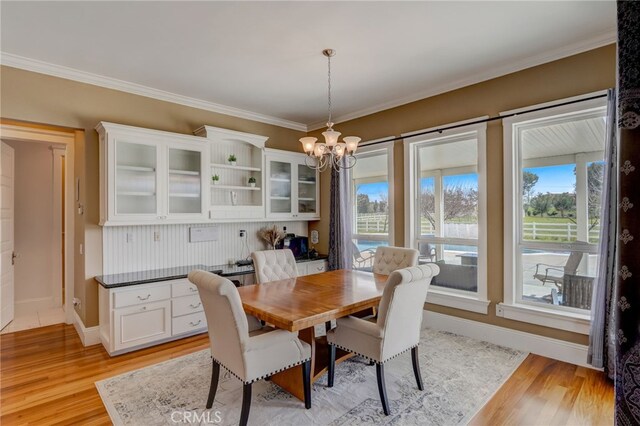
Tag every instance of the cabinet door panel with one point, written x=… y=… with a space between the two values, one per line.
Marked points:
x=185 y=182
x=136 y=180
x=137 y=325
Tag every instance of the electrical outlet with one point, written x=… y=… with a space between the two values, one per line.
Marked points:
x=499 y=310
x=242 y=233
x=156 y=236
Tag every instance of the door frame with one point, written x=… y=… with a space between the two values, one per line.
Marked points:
x=44 y=134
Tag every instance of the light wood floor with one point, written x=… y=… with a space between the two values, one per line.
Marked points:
x=47 y=377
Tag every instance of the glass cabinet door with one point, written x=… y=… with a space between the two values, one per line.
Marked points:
x=136 y=179
x=185 y=181
x=307 y=190
x=280 y=184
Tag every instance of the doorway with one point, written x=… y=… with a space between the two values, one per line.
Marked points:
x=37 y=232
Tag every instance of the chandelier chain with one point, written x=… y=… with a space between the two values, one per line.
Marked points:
x=329 y=123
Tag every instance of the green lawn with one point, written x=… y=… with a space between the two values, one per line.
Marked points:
x=538 y=219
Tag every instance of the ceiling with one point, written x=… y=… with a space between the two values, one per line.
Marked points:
x=567 y=138
x=263 y=60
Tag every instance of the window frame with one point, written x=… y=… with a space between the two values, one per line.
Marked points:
x=368 y=149
x=460 y=299
x=513 y=307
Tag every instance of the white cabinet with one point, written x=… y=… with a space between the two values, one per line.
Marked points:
x=312 y=267
x=149 y=176
x=138 y=316
x=238 y=189
x=293 y=189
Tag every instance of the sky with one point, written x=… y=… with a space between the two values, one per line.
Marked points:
x=554 y=179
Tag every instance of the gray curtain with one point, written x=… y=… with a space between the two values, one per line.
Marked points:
x=340 y=244
x=627 y=291
x=602 y=336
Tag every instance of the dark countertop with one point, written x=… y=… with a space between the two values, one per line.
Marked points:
x=166 y=274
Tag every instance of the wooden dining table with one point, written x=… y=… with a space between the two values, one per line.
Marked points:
x=299 y=304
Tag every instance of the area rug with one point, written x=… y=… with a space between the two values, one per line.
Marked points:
x=460 y=375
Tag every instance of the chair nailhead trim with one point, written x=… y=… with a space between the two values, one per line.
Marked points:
x=371 y=359
x=261 y=377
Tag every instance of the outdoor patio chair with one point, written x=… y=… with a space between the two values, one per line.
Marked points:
x=555 y=274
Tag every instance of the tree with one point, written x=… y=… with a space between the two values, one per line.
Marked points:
x=564 y=202
x=459 y=201
x=529 y=180
x=595 y=176
x=363 y=203
x=541 y=204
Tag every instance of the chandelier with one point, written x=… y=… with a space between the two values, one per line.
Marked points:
x=337 y=154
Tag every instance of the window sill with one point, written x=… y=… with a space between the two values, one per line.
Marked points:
x=568 y=321
x=458 y=301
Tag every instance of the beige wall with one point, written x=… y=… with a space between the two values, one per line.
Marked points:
x=33 y=227
x=39 y=98
x=576 y=75
x=44 y=99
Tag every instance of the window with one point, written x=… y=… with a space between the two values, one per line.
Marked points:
x=553 y=182
x=446 y=212
x=372 y=192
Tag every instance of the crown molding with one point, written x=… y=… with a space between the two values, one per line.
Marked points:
x=41 y=67
x=553 y=55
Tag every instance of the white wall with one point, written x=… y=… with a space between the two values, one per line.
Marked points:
x=142 y=253
x=34 y=233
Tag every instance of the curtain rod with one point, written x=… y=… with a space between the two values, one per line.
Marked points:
x=485 y=120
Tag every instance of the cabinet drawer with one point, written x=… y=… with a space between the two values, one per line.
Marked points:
x=141 y=296
x=186 y=305
x=189 y=323
x=183 y=287
x=137 y=325
x=316 y=267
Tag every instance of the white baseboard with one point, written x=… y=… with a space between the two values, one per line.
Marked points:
x=545 y=346
x=89 y=336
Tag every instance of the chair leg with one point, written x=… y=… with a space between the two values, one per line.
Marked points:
x=416 y=367
x=327 y=326
x=382 y=389
x=332 y=365
x=215 y=375
x=246 y=404
x=306 y=383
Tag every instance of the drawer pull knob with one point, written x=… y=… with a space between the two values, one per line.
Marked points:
x=196 y=306
x=144 y=308
x=144 y=298
x=194 y=324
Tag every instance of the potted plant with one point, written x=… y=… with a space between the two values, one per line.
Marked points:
x=232 y=159
x=215 y=179
x=252 y=182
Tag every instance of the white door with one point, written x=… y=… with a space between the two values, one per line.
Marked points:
x=6 y=234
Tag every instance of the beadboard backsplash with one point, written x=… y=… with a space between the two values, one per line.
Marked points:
x=133 y=248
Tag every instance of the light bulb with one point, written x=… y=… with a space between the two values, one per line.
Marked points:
x=331 y=137
x=308 y=143
x=352 y=143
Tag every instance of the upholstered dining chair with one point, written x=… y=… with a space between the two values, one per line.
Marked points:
x=274 y=265
x=388 y=259
x=248 y=357
x=396 y=330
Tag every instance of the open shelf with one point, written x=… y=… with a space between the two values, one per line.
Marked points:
x=137 y=194
x=236 y=187
x=280 y=198
x=307 y=182
x=185 y=172
x=136 y=168
x=184 y=195
x=306 y=199
x=279 y=179
x=229 y=166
